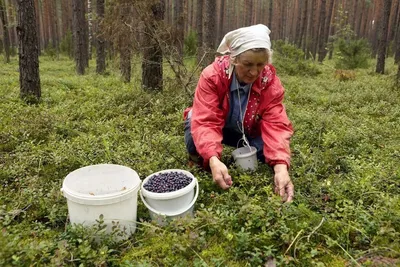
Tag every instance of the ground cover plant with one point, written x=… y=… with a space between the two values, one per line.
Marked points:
x=345 y=167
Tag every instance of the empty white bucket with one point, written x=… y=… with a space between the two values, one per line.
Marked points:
x=166 y=206
x=246 y=157
x=104 y=189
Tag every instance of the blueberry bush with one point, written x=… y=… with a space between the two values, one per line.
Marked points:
x=345 y=168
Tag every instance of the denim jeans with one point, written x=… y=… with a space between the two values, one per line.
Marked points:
x=230 y=138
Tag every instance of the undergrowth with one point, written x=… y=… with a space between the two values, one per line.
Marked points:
x=346 y=150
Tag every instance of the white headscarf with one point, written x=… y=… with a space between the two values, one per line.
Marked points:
x=246 y=38
x=243 y=39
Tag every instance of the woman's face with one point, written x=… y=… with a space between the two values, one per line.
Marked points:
x=249 y=65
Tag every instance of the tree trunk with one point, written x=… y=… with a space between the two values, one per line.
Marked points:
x=124 y=44
x=78 y=24
x=179 y=28
x=6 y=38
x=303 y=27
x=321 y=34
x=270 y=9
x=125 y=63
x=28 y=51
x=382 y=39
x=199 y=29
x=152 y=72
x=90 y=28
x=209 y=31
x=397 y=55
x=328 y=23
x=100 y=49
x=398 y=76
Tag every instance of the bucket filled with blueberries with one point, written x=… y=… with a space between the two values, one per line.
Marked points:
x=169 y=194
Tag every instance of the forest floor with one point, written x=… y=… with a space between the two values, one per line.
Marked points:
x=345 y=168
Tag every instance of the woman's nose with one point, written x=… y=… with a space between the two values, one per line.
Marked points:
x=254 y=71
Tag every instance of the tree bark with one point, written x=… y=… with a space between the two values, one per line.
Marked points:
x=209 y=31
x=179 y=28
x=382 y=39
x=199 y=29
x=6 y=38
x=28 y=51
x=321 y=34
x=270 y=9
x=397 y=54
x=152 y=72
x=100 y=48
x=78 y=24
x=398 y=76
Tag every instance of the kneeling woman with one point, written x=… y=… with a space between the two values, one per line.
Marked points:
x=239 y=97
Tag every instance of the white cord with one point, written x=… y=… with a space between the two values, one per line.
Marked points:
x=241 y=126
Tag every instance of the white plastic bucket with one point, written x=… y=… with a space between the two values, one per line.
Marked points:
x=104 y=189
x=246 y=157
x=166 y=206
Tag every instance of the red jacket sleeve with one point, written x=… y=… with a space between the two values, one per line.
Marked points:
x=207 y=118
x=276 y=129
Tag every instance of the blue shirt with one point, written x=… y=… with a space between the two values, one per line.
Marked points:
x=234 y=119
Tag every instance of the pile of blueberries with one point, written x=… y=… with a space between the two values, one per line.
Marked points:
x=167 y=182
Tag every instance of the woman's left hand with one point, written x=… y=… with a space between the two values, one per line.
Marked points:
x=283 y=185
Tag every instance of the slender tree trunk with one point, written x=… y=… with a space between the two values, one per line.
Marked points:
x=78 y=24
x=270 y=9
x=28 y=51
x=124 y=45
x=303 y=28
x=6 y=38
x=90 y=28
x=152 y=72
x=382 y=39
x=321 y=34
x=398 y=76
x=199 y=29
x=100 y=49
x=209 y=31
x=179 y=28
x=397 y=54
x=360 y=16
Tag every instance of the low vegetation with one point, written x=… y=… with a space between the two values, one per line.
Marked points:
x=345 y=167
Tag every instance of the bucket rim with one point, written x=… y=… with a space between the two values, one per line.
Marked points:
x=110 y=198
x=253 y=151
x=168 y=195
x=176 y=213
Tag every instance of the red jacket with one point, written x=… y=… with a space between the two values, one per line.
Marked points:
x=265 y=113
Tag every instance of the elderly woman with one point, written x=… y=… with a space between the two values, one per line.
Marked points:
x=239 y=97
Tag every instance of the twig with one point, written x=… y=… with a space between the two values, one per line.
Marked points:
x=197 y=254
x=345 y=251
x=315 y=229
x=293 y=241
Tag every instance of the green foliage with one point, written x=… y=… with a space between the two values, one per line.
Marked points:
x=290 y=60
x=66 y=45
x=344 y=167
x=352 y=54
x=50 y=51
x=191 y=43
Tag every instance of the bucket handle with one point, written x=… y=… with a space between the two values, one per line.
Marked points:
x=176 y=213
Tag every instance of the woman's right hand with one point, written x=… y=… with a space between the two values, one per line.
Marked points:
x=220 y=173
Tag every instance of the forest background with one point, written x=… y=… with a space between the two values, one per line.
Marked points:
x=107 y=82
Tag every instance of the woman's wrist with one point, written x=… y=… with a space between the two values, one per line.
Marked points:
x=280 y=168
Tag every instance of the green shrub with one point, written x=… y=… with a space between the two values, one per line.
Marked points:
x=191 y=43
x=50 y=51
x=289 y=59
x=66 y=45
x=352 y=54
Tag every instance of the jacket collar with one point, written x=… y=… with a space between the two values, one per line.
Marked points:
x=260 y=84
